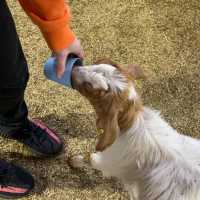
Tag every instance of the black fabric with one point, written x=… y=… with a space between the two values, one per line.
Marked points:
x=13 y=73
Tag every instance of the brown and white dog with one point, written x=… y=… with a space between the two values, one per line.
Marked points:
x=152 y=160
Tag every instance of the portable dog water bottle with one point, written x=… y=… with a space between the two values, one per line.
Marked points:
x=50 y=69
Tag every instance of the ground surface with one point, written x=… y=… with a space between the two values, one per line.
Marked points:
x=162 y=36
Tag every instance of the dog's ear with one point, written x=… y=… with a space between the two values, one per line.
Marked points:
x=108 y=122
x=136 y=72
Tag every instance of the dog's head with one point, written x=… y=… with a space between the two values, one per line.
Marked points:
x=110 y=89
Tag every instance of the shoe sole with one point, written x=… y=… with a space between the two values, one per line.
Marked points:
x=4 y=196
x=18 y=195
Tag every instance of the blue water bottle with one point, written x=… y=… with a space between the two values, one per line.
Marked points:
x=50 y=69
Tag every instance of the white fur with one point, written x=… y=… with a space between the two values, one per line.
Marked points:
x=132 y=93
x=101 y=76
x=153 y=161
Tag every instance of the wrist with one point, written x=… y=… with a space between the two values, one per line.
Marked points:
x=60 y=39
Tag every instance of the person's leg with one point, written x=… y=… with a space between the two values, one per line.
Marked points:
x=14 y=124
x=13 y=79
x=13 y=73
x=14 y=181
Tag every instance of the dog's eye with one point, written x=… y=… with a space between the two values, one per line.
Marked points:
x=88 y=86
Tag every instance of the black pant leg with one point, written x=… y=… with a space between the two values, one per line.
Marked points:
x=13 y=72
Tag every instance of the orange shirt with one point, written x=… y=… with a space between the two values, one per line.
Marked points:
x=52 y=17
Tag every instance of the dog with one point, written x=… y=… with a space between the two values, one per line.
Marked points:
x=137 y=146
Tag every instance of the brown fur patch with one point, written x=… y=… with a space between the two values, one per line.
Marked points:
x=134 y=72
x=115 y=111
x=115 y=115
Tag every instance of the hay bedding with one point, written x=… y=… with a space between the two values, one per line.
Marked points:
x=162 y=36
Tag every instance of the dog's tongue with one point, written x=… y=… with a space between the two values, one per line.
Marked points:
x=66 y=79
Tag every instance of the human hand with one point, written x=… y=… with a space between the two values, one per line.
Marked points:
x=61 y=56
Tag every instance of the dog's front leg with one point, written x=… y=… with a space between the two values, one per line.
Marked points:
x=95 y=161
x=132 y=191
x=100 y=162
x=78 y=161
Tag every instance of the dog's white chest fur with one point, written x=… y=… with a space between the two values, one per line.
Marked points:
x=154 y=158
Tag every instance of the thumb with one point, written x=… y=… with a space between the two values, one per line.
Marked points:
x=80 y=54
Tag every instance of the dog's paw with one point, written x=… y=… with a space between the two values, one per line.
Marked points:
x=96 y=160
x=76 y=161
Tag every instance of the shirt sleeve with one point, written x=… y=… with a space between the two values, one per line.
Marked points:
x=53 y=18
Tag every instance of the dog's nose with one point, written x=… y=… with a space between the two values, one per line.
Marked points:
x=76 y=74
x=76 y=70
